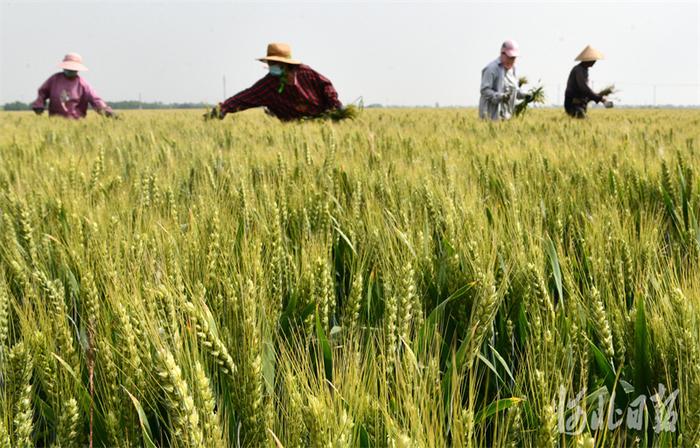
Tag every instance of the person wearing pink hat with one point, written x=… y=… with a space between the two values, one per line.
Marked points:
x=499 y=85
x=290 y=91
x=69 y=94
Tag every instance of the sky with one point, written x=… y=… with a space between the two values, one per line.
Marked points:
x=387 y=52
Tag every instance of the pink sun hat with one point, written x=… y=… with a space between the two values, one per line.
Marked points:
x=510 y=48
x=73 y=61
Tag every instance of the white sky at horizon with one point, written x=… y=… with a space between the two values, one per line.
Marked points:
x=394 y=53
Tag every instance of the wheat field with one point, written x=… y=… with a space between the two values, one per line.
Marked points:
x=412 y=278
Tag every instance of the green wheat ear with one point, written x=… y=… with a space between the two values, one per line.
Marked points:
x=410 y=278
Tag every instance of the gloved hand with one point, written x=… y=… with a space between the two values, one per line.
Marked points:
x=504 y=97
x=38 y=110
x=529 y=97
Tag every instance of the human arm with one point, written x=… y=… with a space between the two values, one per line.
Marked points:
x=258 y=95
x=97 y=103
x=488 y=79
x=43 y=94
x=583 y=87
x=328 y=92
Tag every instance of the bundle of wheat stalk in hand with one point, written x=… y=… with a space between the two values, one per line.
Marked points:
x=534 y=95
x=609 y=90
x=215 y=112
x=348 y=112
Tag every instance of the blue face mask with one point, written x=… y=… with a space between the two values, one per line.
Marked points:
x=276 y=70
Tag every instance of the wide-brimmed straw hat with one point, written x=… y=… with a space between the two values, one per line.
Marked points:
x=589 y=54
x=279 y=52
x=73 y=61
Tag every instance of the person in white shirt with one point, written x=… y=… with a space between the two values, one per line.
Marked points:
x=499 y=85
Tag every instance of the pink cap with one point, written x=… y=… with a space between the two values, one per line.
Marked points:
x=73 y=61
x=510 y=48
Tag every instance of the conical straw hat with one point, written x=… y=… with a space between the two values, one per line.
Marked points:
x=589 y=54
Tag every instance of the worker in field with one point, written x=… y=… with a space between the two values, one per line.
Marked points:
x=578 y=91
x=499 y=85
x=68 y=93
x=290 y=90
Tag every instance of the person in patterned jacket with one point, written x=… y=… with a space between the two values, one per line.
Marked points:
x=290 y=91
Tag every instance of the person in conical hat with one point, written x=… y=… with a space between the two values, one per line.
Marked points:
x=290 y=90
x=578 y=91
x=69 y=94
x=499 y=85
